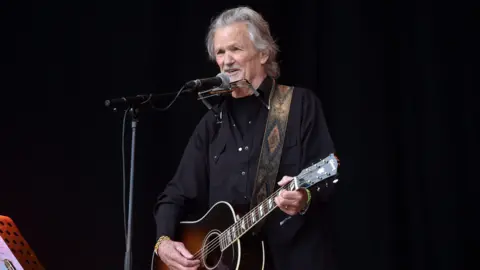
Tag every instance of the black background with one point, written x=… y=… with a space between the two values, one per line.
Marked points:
x=396 y=80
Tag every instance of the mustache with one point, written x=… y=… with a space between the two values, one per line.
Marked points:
x=230 y=68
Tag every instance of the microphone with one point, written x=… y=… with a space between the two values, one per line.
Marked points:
x=220 y=81
x=214 y=85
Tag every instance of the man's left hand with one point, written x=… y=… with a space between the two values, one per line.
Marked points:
x=291 y=202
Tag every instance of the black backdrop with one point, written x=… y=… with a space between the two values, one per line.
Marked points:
x=395 y=78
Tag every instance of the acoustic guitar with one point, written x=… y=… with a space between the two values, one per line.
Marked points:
x=220 y=239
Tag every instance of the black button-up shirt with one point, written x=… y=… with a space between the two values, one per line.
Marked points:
x=221 y=158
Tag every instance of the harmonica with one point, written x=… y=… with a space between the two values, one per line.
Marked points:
x=241 y=84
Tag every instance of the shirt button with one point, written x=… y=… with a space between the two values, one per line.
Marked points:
x=239 y=149
x=249 y=122
x=243 y=173
x=246 y=147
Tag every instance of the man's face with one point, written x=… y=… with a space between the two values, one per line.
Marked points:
x=236 y=55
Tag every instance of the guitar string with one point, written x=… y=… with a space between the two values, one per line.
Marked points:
x=248 y=216
x=222 y=237
x=215 y=243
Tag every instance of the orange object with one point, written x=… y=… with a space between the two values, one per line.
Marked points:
x=18 y=245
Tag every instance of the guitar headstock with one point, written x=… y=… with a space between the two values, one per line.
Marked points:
x=318 y=172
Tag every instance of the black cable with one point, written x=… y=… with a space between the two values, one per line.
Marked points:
x=153 y=259
x=123 y=162
x=171 y=103
x=124 y=177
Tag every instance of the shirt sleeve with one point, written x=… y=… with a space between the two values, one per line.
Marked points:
x=189 y=186
x=315 y=138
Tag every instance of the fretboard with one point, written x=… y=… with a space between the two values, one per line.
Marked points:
x=250 y=219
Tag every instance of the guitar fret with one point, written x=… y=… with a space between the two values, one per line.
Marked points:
x=249 y=220
x=308 y=177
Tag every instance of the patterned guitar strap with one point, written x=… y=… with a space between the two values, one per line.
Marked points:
x=272 y=145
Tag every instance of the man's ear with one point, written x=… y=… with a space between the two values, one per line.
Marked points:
x=263 y=57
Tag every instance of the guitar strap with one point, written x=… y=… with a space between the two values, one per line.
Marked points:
x=272 y=145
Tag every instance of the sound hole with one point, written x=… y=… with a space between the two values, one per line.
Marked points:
x=212 y=254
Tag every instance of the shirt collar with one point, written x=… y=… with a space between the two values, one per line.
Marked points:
x=265 y=88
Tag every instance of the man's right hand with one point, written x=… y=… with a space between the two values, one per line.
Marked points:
x=176 y=256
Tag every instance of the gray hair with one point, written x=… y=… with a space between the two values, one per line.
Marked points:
x=259 y=32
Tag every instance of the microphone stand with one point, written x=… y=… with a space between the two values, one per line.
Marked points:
x=133 y=104
x=128 y=252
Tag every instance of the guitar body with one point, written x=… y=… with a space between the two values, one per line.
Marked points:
x=222 y=240
x=200 y=235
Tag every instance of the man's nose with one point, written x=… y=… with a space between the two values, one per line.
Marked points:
x=229 y=60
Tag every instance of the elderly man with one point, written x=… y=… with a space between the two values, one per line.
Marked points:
x=223 y=155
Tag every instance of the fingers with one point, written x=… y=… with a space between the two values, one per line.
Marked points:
x=185 y=257
x=182 y=261
x=288 y=202
x=290 y=207
x=291 y=195
x=176 y=256
x=181 y=248
x=177 y=260
x=285 y=180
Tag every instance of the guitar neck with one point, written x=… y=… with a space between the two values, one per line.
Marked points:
x=250 y=219
x=308 y=177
